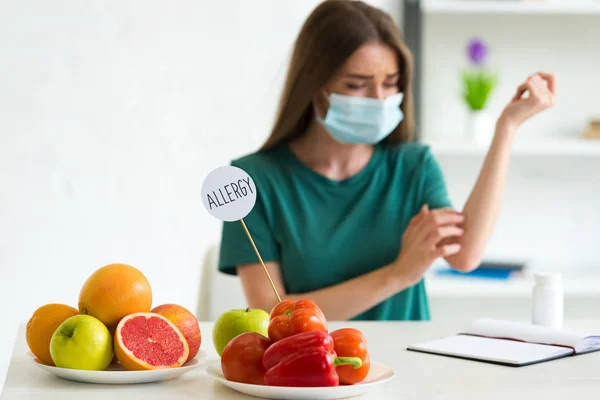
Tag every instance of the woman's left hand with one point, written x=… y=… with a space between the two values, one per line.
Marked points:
x=541 y=89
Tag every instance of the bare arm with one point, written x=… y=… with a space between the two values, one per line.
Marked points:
x=483 y=205
x=340 y=302
x=419 y=248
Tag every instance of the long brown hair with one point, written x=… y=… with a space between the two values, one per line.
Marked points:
x=332 y=32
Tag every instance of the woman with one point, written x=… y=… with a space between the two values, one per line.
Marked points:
x=350 y=213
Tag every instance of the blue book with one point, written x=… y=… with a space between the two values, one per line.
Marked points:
x=481 y=272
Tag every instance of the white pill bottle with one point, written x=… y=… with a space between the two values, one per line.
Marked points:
x=548 y=300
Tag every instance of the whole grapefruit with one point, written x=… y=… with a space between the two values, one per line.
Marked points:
x=185 y=321
x=114 y=291
x=41 y=327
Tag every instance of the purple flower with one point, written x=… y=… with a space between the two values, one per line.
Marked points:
x=477 y=51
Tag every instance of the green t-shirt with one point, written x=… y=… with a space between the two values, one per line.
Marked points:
x=323 y=232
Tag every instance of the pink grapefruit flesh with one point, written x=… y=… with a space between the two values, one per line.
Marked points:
x=149 y=341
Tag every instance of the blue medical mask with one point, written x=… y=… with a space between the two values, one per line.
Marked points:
x=353 y=119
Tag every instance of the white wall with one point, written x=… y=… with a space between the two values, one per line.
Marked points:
x=111 y=115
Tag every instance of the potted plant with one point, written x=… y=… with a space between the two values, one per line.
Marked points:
x=478 y=84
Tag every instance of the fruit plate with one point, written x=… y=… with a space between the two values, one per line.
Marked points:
x=116 y=375
x=378 y=375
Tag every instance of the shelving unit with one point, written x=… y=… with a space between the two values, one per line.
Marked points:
x=414 y=12
x=511 y=6
x=540 y=147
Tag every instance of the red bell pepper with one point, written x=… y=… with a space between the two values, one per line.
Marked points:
x=304 y=360
x=350 y=342
x=280 y=350
x=291 y=317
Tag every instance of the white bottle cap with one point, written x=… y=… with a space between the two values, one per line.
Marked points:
x=548 y=278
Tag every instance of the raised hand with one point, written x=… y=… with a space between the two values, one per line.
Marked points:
x=537 y=94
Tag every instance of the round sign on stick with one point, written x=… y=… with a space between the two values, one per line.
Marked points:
x=229 y=193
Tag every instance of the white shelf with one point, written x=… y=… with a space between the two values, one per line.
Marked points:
x=518 y=286
x=580 y=280
x=511 y=6
x=542 y=147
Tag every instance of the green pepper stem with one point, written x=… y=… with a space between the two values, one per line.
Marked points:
x=356 y=362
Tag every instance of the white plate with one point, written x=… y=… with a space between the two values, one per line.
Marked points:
x=116 y=374
x=378 y=375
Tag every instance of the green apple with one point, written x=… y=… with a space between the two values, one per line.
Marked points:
x=82 y=342
x=235 y=322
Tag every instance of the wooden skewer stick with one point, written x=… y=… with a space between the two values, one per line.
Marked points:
x=260 y=258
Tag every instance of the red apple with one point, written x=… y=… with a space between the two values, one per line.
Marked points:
x=185 y=321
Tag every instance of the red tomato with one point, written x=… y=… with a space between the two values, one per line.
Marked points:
x=350 y=342
x=242 y=358
x=290 y=317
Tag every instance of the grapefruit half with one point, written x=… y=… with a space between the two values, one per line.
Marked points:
x=147 y=340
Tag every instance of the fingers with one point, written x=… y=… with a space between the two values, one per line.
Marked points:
x=443 y=232
x=541 y=94
x=446 y=215
x=448 y=250
x=520 y=91
x=541 y=87
x=417 y=218
x=550 y=81
x=431 y=234
x=536 y=92
x=438 y=218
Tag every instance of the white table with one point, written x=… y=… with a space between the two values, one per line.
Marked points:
x=419 y=376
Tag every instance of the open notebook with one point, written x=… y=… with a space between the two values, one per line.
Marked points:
x=510 y=343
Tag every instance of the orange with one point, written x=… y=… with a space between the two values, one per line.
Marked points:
x=145 y=341
x=42 y=325
x=114 y=291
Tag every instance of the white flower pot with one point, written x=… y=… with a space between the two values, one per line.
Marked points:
x=480 y=126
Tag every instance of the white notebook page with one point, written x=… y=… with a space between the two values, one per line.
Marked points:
x=533 y=333
x=494 y=350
